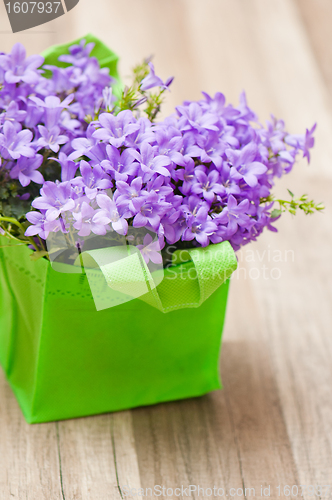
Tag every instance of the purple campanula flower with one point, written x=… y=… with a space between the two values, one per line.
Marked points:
x=211 y=149
x=109 y=214
x=33 y=116
x=199 y=227
x=50 y=138
x=227 y=183
x=68 y=167
x=244 y=165
x=93 y=74
x=53 y=108
x=186 y=174
x=26 y=170
x=245 y=112
x=115 y=129
x=192 y=117
x=234 y=214
x=119 y=165
x=144 y=133
x=190 y=148
x=149 y=210
x=150 y=250
x=170 y=143
x=274 y=135
x=217 y=105
x=14 y=115
x=221 y=234
x=56 y=198
x=125 y=193
x=69 y=123
x=15 y=144
x=82 y=145
x=309 y=142
x=19 y=69
x=228 y=136
x=108 y=98
x=61 y=80
x=192 y=204
x=263 y=218
x=24 y=197
x=157 y=185
x=78 y=54
x=93 y=179
x=152 y=80
x=174 y=223
x=150 y=163
x=97 y=153
x=85 y=221
x=40 y=226
x=207 y=185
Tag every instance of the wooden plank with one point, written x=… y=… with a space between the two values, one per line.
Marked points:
x=317 y=16
x=87 y=459
x=297 y=319
x=125 y=454
x=187 y=443
x=255 y=407
x=29 y=466
x=97 y=456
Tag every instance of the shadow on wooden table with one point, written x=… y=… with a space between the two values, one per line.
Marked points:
x=226 y=438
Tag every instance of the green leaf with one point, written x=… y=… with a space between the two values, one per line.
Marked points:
x=290 y=192
x=275 y=213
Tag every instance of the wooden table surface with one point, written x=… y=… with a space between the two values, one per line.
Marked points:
x=272 y=423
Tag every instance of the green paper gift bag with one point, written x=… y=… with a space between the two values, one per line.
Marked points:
x=65 y=359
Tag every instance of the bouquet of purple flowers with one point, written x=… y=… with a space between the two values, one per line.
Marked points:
x=125 y=214
x=79 y=161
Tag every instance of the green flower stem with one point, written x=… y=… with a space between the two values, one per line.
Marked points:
x=11 y=220
x=8 y=235
x=10 y=246
x=41 y=243
x=291 y=206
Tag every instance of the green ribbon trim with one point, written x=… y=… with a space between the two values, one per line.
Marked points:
x=106 y=57
x=184 y=285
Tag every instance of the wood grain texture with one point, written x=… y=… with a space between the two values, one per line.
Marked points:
x=29 y=464
x=272 y=423
x=317 y=17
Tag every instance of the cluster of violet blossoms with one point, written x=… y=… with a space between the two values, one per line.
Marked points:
x=203 y=175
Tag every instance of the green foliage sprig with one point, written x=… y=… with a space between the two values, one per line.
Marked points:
x=292 y=206
x=133 y=96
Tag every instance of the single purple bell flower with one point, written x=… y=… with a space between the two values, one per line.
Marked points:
x=18 y=68
x=26 y=170
x=152 y=80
